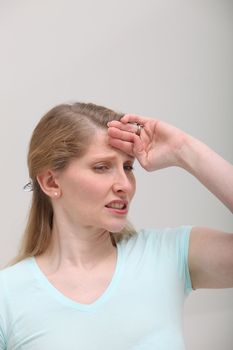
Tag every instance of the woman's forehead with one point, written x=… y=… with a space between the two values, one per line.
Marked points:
x=100 y=147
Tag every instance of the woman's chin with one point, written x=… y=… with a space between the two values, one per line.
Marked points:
x=115 y=228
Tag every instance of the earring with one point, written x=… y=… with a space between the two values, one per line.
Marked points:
x=55 y=194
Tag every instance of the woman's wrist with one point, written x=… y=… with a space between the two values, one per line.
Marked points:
x=213 y=171
x=191 y=153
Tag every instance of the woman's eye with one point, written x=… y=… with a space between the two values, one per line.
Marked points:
x=128 y=167
x=105 y=167
x=101 y=168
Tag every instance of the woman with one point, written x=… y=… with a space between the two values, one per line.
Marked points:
x=84 y=279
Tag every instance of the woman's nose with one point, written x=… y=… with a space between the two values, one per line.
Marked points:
x=122 y=183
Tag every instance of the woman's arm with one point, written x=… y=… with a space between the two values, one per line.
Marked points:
x=211 y=251
x=214 y=172
x=161 y=145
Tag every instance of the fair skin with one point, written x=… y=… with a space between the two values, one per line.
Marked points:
x=81 y=259
x=87 y=198
x=161 y=145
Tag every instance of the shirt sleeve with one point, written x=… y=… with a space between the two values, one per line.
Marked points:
x=171 y=247
x=182 y=252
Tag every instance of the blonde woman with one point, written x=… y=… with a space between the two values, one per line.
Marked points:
x=84 y=279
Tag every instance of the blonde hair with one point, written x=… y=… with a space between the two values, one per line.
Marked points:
x=62 y=134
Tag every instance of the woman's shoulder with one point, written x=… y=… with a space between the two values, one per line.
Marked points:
x=16 y=274
x=157 y=239
x=156 y=234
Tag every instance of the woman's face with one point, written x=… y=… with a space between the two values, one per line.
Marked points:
x=96 y=189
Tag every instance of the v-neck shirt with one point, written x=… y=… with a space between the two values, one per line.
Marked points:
x=141 y=309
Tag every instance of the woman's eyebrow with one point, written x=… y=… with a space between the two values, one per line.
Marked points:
x=110 y=157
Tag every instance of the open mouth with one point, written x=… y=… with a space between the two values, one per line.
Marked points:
x=119 y=206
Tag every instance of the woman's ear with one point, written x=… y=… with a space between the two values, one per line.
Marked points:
x=48 y=183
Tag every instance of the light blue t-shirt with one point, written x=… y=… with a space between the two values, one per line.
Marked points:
x=141 y=309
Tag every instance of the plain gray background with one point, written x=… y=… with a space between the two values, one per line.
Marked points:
x=168 y=59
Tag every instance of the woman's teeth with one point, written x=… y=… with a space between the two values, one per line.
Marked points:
x=116 y=205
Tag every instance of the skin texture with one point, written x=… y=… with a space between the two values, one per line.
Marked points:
x=161 y=145
x=81 y=259
x=89 y=183
x=81 y=248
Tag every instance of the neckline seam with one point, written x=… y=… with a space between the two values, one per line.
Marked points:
x=40 y=276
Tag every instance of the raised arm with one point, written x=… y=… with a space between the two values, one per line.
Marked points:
x=162 y=145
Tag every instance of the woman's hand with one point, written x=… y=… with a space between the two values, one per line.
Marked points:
x=158 y=145
x=161 y=145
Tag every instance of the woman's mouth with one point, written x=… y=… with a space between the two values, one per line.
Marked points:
x=118 y=207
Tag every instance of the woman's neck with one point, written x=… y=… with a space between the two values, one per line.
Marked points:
x=76 y=248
